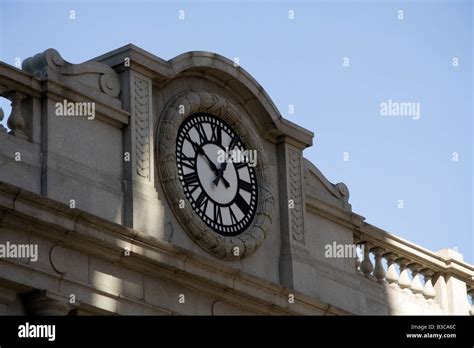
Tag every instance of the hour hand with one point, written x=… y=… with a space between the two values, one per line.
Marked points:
x=218 y=172
x=220 y=175
x=197 y=148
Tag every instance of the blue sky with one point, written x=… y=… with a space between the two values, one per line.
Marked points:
x=300 y=62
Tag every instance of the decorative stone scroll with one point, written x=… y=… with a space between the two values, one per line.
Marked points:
x=50 y=64
x=174 y=114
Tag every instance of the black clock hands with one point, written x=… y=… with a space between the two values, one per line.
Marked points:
x=200 y=151
x=221 y=170
x=220 y=173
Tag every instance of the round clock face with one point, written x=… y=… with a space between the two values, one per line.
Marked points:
x=217 y=174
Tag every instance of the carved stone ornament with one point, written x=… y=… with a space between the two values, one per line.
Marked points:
x=296 y=194
x=141 y=116
x=95 y=74
x=177 y=110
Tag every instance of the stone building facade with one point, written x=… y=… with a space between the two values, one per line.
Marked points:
x=89 y=175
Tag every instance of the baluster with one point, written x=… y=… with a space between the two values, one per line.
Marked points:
x=357 y=258
x=2 y=114
x=16 y=122
x=391 y=275
x=404 y=280
x=357 y=263
x=366 y=266
x=470 y=292
x=416 y=285
x=429 y=291
x=379 y=272
x=3 y=89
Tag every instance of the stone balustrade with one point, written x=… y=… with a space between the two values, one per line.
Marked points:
x=407 y=266
x=470 y=292
x=16 y=121
x=23 y=92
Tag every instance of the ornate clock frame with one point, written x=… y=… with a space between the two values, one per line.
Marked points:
x=176 y=111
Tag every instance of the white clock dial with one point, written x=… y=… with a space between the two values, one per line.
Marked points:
x=221 y=189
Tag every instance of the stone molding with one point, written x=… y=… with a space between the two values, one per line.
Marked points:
x=141 y=114
x=296 y=194
x=41 y=302
x=170 y=121
x=79 y=230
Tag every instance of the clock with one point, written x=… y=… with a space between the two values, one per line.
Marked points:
x=216 y=173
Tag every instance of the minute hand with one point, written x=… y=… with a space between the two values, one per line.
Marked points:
x=220 y=172
x=216 y=171
x=201 y=151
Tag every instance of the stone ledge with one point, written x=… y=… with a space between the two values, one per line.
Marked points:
x=334 y=213
x=168 y=261
x=108 y=108
x=107 y=112
x=19 y=80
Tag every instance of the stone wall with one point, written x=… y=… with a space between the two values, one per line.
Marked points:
x=94 y=195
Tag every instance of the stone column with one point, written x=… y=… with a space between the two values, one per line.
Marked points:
x=141 y=209
x=455 y=289
x=292 y=208
x=441 y=291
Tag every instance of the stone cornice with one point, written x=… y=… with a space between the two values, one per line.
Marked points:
x=217 y=68
x=17 y=80
x=105 y=112
x=332 y=212
x=294 y=134
x=83 y=231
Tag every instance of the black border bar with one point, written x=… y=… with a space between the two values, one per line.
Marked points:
x=140 y=330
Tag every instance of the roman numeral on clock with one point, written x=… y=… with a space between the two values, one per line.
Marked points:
x=233 y=218
x=202 y=200
x=216 y=134
x=187 y=161
x=244 y=185
x=191 y=179
x=217 y=214
x=202 y=133
x=240 y=165
x=234 y=142
x=242 y=204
